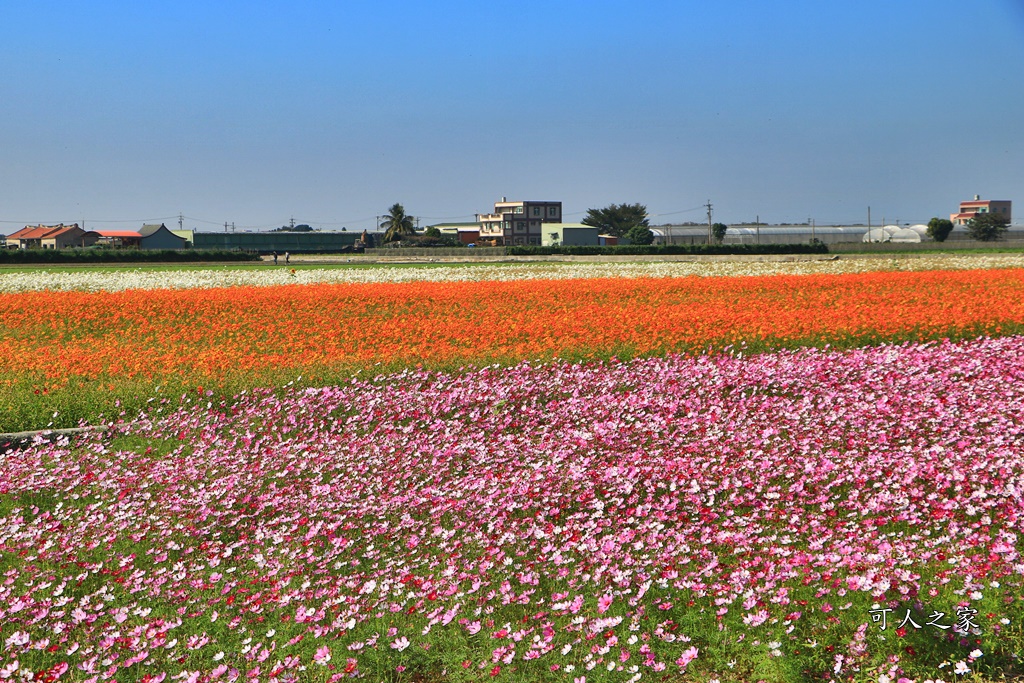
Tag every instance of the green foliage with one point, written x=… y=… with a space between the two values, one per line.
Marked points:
x=94 y=255
x=432 y=232
x=431 y=241
x=397 y=224
x=718 y=231
x=987 y=227
x=639 y=234
x=617 y=219
x=939 y=228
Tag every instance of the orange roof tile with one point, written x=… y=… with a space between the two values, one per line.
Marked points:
x=118 y=233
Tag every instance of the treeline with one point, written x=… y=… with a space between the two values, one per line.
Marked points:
x=669 y=249
x=123 y=255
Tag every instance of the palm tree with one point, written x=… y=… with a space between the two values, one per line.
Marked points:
x=396 y=224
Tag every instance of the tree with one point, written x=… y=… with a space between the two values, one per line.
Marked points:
x=616 y=219
x=987 y=227
x=396 y=224
x=432 y=231
x=718 y=231
x=639 y=234
x=939 y=228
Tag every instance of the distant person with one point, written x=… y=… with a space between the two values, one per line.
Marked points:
x=275 y=258
x=287 y=257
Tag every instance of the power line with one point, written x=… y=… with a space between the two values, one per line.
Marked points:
x=93 y=220
x=672 y=213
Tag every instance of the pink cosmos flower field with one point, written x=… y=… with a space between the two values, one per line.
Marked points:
x=800 y=515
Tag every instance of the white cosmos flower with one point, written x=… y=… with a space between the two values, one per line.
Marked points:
x=141 y=278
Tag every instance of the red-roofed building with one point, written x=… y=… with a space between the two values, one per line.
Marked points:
x=120 y=238
x=979 y=205
x=49 y=237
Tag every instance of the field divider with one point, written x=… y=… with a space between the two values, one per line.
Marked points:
x=19 y=440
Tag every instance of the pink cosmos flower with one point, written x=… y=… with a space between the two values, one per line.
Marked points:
x=687 y=657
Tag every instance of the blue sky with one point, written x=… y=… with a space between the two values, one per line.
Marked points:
x=255 y=112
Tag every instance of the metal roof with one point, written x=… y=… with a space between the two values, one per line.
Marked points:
x=149 y=229
x=117 y=233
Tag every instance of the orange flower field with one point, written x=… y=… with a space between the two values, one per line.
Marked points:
x=75 y=353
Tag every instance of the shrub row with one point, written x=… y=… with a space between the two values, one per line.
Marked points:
x=669 y=249
x=122 y=255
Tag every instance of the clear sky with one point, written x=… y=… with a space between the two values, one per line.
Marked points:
x=256 y=112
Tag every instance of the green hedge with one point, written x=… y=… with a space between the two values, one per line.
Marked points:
x=92 y=255
x=669 y=249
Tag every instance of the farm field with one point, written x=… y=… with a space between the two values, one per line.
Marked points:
x=192 y=276
x=778 y=477
x=86 y=273
x=68 y=356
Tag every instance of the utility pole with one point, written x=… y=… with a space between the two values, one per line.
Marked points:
x=292 y=224
x=708 y=205
x=232 y=226
x=181 y=220
x=225 y=226
x=417 y=223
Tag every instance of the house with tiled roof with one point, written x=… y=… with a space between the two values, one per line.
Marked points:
x=49 y=237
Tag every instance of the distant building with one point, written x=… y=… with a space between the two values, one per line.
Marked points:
x=72 y=236
x=187 y=235
x=49 y=237
x=292 y=242
x=570 y=234
x=159 y=237
x=466 y=233
x=119 y=238
x=979 y=205
x=518 y=222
